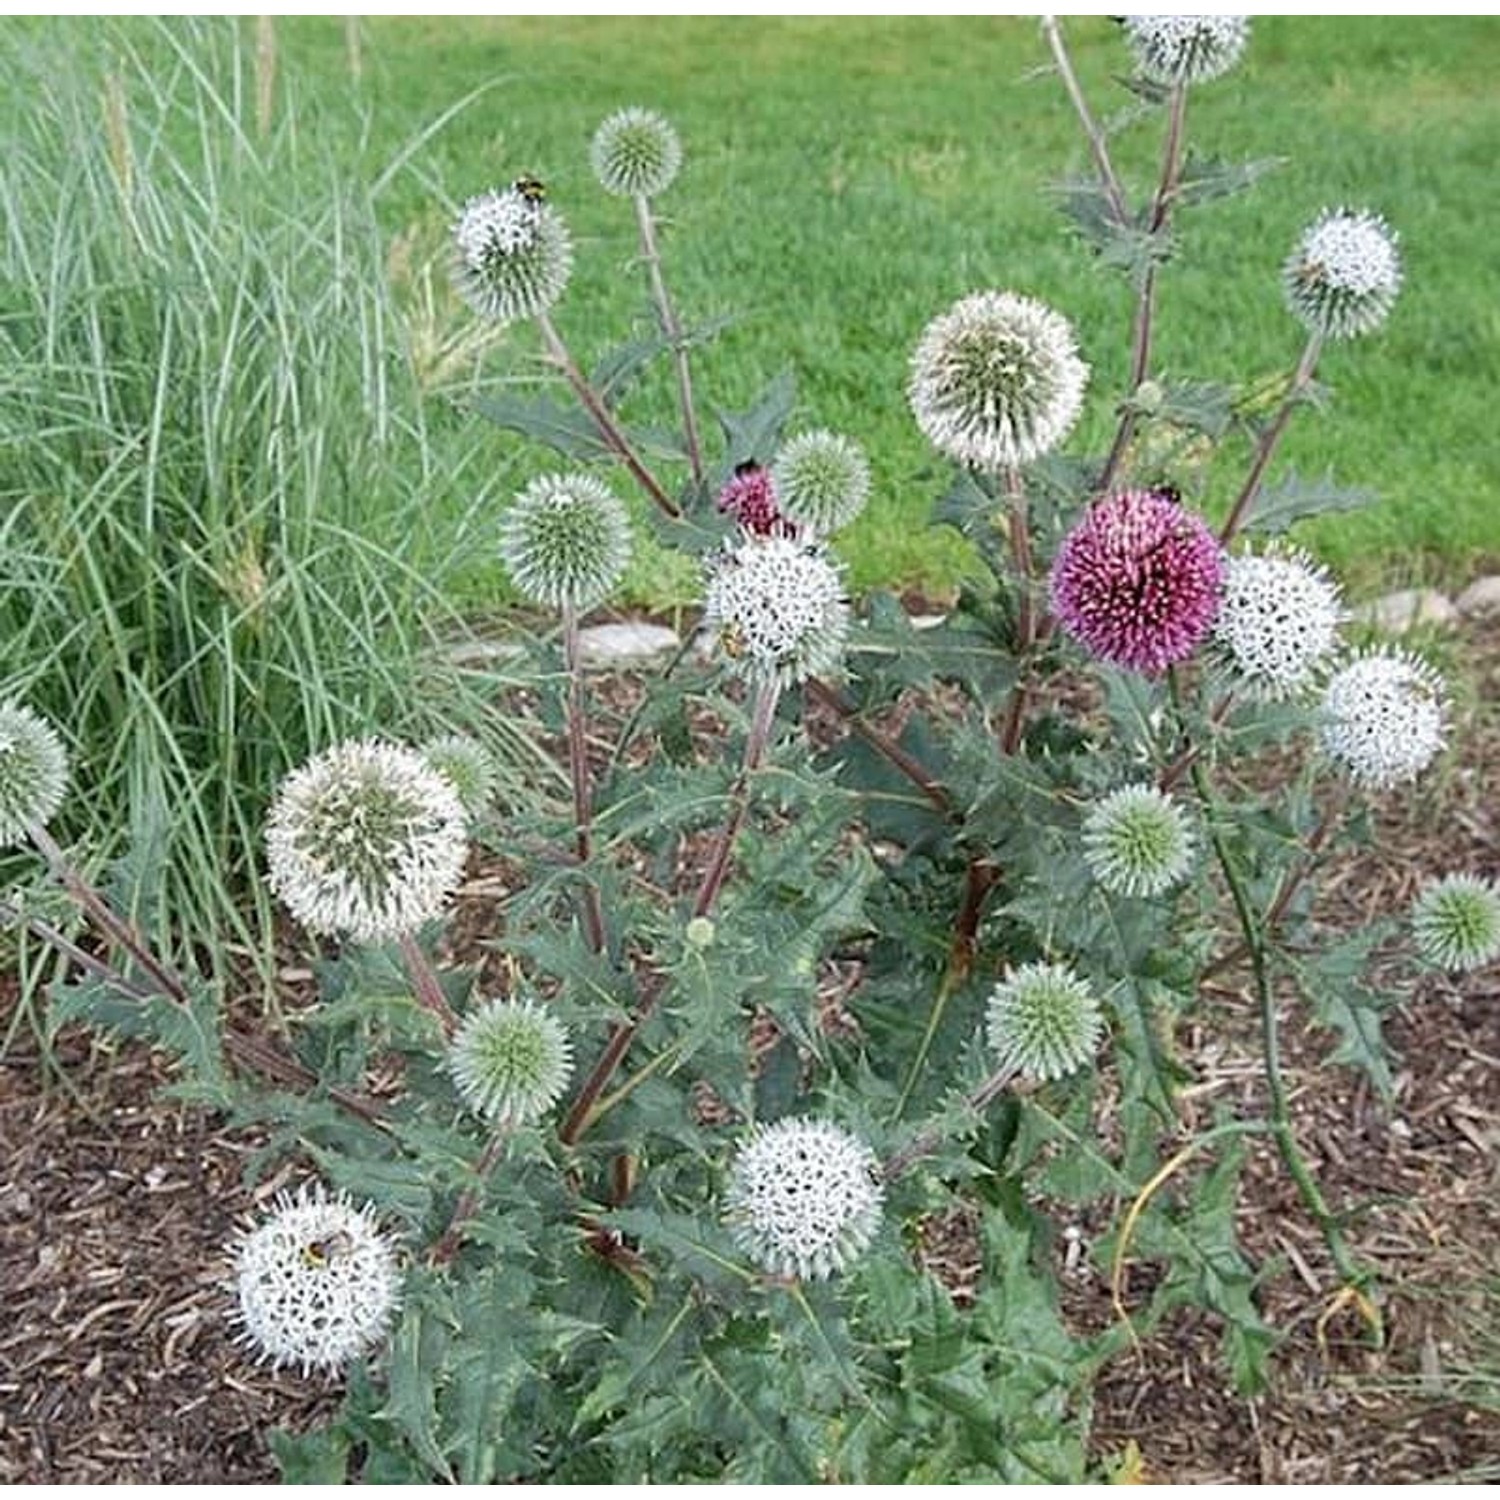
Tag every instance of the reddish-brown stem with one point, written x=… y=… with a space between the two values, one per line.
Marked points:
x=1030 y=631
x=425 y=981
x=578 y=771
x=927 y=1141
x=1271 y=437
x=883 y=745
x=599 y=413
x=1176 y=769
x=581 y=1113
x=109 y=921
x=1098 y=146
x=446 y=1248
x=671 y=331
x=979 y=880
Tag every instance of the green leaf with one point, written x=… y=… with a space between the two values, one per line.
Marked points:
x=1293 y=499
x=1205 y=178
x=692 y=1248
x=565 y=429
x=756 y=433
x=317 y=1457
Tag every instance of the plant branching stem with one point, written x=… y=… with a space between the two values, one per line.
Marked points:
x=1098 y=146
x=1256 y=946
x=578 y=771
x=927 y=1141
x=1031 y=630
x=608 y=429
x=425 y=981
x=468 y=1201
x=671 y=330
x=1266 y=448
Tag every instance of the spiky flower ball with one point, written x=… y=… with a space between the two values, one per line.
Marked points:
x=511 y=1061
x=1384 y=718
x=1137 y=841
x=1342 y=279
x=33 y=772
x=1043 y=1021
x=469 y=766
x=317 y=1283
x=803 y=1199
x=1278 y=621
x=1137 y=581
x=1186 y=49
x=822 y=479
x=779 y=609
x=635 y=153
x=565 y=541
x=513 y=255
x=367 y=841
x=749 y=496
x=996 y=381
x=1456 y=922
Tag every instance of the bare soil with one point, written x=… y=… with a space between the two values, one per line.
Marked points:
x=117 y=1362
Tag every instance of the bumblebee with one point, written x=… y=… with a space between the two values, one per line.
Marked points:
x=732 y=639
x=746 y=466
x=318 y=1253
x=532 y=189
x=1309 y=273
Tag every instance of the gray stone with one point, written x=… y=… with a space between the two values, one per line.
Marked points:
x=1394 y=614
x=625 y=643
x=482 y=651
x=1482 y=597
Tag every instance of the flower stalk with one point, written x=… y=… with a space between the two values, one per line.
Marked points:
x=578 y=769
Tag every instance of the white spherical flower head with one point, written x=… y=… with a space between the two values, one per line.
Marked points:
x=317 y=1283
x=366 y=841
x=1278 y=622
x=996 y=380
x=512 y=255
x=803 y=1198
x=1384 y=718
x=1186 y=49
x=1137 y=841
x=566 y=541
x=1456 y=922
x=779 y=609
x=1342 y=279
x=822 y=481
x=468 y=765
x=1043 y=1021
x=510 y=1061
x=33 y=772
x=635 y=154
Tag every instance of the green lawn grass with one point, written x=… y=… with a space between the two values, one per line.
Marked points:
x=847 y=179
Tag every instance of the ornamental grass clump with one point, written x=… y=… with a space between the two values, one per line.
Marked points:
x=831 y=930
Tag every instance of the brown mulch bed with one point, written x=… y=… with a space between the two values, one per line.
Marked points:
x=117 y=1363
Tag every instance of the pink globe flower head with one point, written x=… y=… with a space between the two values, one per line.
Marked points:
x=750 y=497
x=1137 y=581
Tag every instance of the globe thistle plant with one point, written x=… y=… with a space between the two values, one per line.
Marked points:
x=635 y=154
x=996 y=381
x=513 y=254
x=749 y=496
x=317 y=1283
x=1278 y=622
x=1137 y=842
x=779 y=609
x=823 y=481
x=1384 y=718
x=566 y=541
x=469 y=766
x=1043 y=1021
x=1342 y=279
x=1186 y=49
x=511 y=1061
x=1137 y=581
x=1456 y=922
x=367 y=841
x=33 y=772
x=803 y=1199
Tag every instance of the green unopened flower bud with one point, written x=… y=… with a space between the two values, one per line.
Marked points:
x=822 y=481
x=468 y=765
x=635 y=154
x=565 y=541
x=1043 y=1021
x=1148 y=397
x=1456 y=922
x=33 y=772
x=511 y=1061
x=700 y=933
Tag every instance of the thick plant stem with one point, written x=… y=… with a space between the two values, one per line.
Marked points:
x=425 y=981
x=1098 y=146
x=1271 y=437
x=671 y=330
x=1031 y=628
x=1349 y=1270
x=927 y=1141
x=608 y=429
x=583 y=1110
x=106 y=918
x=446 y=1248
x=578 y=770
